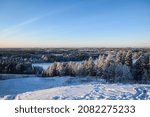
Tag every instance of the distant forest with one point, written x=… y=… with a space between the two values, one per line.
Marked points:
x=112 y=64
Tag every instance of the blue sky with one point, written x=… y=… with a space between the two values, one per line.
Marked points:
x=74 y=23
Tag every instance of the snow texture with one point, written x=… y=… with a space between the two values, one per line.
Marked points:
x=70 y=88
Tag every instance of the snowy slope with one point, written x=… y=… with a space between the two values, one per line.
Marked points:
x=16 y=84
x=70 y=88
x=94 y=91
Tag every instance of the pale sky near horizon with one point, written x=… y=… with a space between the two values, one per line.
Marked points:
x=74 y=23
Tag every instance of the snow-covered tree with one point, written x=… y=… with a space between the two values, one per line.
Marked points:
x=119 y=57
x=127 y=76
x=85 y=66
x=137 y=70
x=145 y=67
x=76 y=69
x=67 y=70
x=51 y=71
x=60 y=69
x=80 y=69
x=128 y=58
x=109 y=58
x=72 y=68
x=118 y=72
x=109 y=68
x=116 y=67
x=123 y=57
x=99 y=65
x=145 y=61
x=145 y=76
x=89 y=67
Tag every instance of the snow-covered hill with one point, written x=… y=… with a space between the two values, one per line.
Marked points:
x=94 y=91
x=69 y=88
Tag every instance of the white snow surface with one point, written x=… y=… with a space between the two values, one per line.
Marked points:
x=46 y=65
x=43 y=65
x=70 y=88
x=92 y=91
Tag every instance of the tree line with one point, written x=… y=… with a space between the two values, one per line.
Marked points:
x=116 y=67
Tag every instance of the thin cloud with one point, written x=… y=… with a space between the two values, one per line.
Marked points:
x=21 y=24
x=16 y=28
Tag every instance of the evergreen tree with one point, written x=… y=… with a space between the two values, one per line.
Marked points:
x=90 y=67
x=123 y=57
x=127 y=76
x=118 y=72
x=85 y=67
x=51 y=71
x=119 y=57
x=145 y=76
x=109 y=68
x=137 y=70
x=128 y=58
x=73 y=68
x=62 y=69
x=80 y=69
x=99 y=65
x=144 y=67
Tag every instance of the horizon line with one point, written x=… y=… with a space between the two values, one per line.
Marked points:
x=65 y=47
